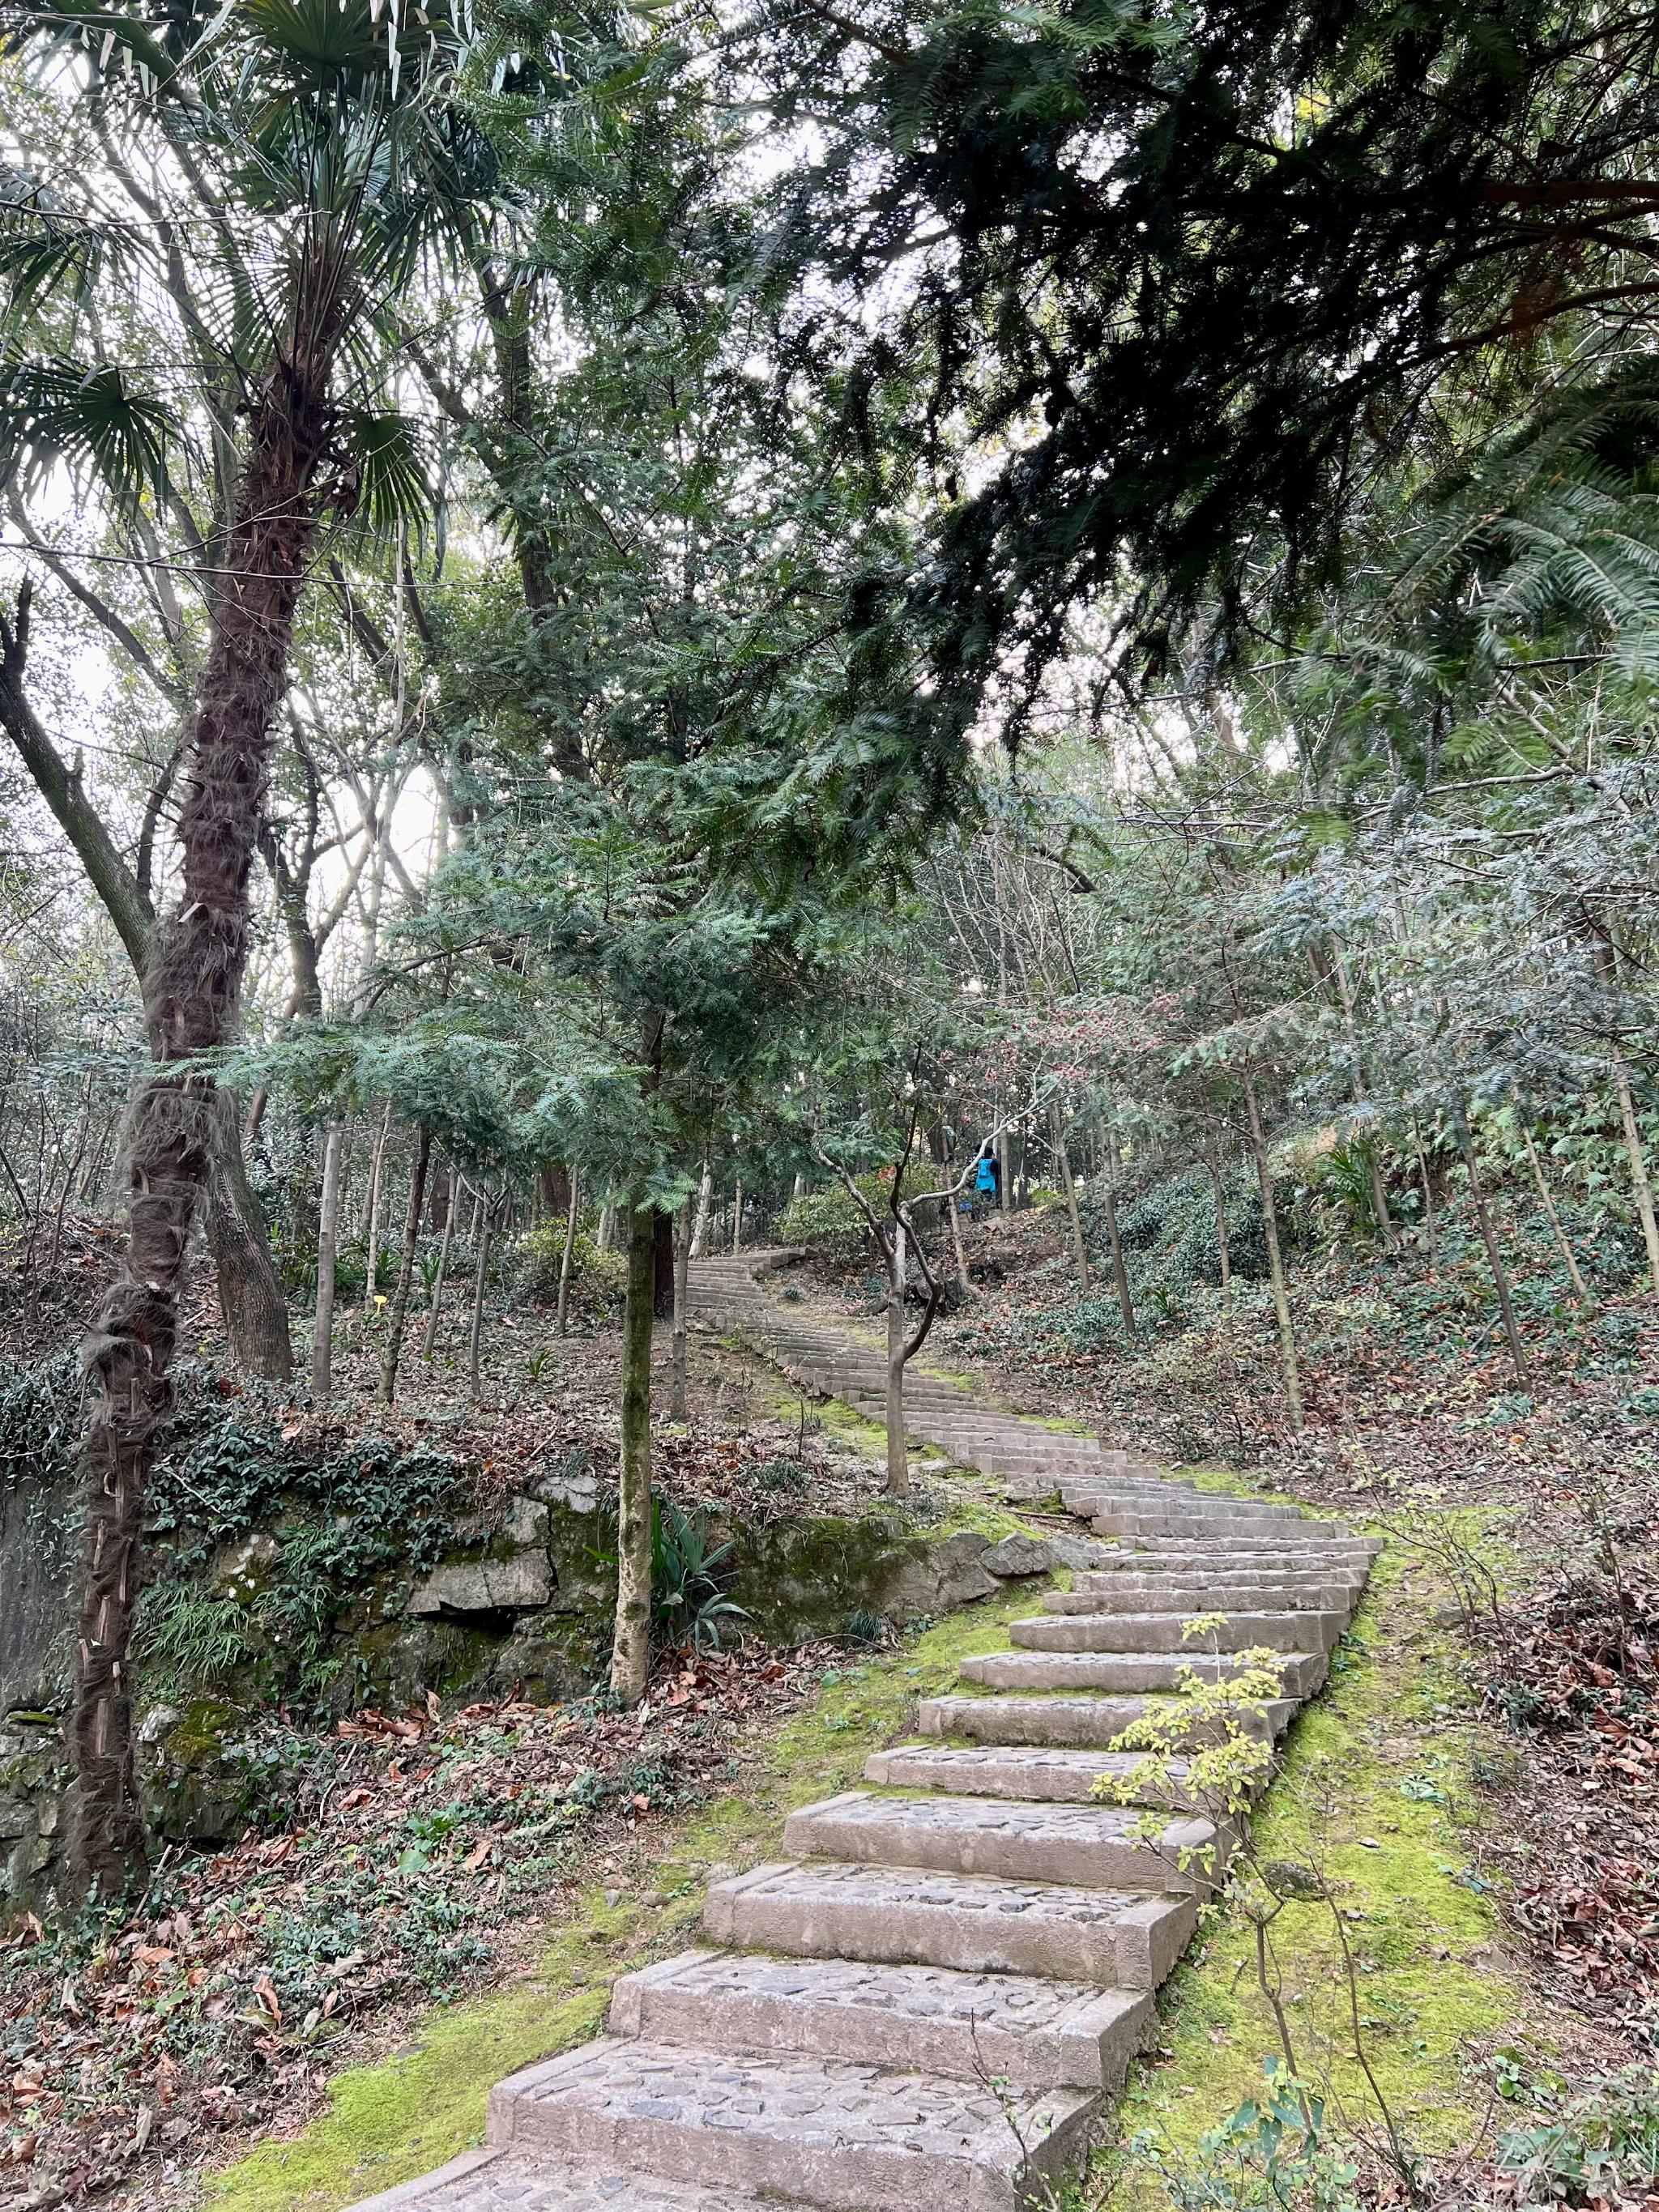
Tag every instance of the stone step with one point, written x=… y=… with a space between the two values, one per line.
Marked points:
x=1201 y=1554
x=1262 y=1529
x=849 y=2138
x=1113 y=1577
x=1071 y=1722
x=1090 y=1847
x=1035 y=1772
x=496 y=2179
x=1023 y=2029
x=976 y=1923
x=1141 y=1594
x=1166 y=1631
x=1301 y=1673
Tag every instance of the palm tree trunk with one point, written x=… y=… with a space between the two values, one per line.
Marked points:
x=193 y=990
x=1275 y=1263
x=328 y=1246
x=399 y=1315
x=630 y=1650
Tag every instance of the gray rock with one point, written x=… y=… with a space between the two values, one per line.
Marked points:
x=1020 y=1555
x=949 y=1574
x=239 y=1570
x=1076 y=1552
x=576 y=1493
x=521 y=1584
x=526 y=1523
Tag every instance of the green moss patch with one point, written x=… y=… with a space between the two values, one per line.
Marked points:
x=1377 y=1794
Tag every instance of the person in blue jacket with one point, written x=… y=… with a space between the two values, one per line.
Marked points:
x=988 y=1177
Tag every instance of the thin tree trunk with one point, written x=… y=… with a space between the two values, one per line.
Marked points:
x=1079 y=1251
x=480 y=1236
x=1579 y=1289
x=736 y=1218
x=898 y=1464
x=451 y=1208
x=1489 y=1238
x=958 y=1246
x=563 y=1322
x=1275 y=1264
x=197 y=959
x=1379 y=1193
x=607 y=1226
x=1638 y=1168
x=399 y=1315
x=376 y=1193
x=1640 y=1184
x=1120 y=1273
x=682 y=1313
x=1428 y=1194
x=328 y=1248
x=705 y=1201
x=630 y=1652
x=1224 y=1251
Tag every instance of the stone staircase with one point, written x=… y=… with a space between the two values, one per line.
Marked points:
x=930 y=1999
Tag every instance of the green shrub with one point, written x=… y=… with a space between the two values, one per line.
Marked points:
x=596 y=1277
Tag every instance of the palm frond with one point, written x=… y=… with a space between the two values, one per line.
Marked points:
x=86 y=419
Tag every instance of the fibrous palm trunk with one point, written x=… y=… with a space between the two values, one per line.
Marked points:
x=630 y=1652
x=192 y=992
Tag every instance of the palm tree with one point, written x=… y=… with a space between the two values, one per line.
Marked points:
x=332 y=134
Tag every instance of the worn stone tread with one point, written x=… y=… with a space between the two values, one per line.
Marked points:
x=1028 y=2030
x=1050 y=1773
x=848 y=2137
x=1040 y=1841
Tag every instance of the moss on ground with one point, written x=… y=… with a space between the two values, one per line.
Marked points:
x=1379 y=1788
x=387 y=2122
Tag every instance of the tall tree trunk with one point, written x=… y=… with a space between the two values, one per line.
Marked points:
x=193 y=975
x=1579 y=1289
x=256 y=1311
x=1428 y=1194
x=399 y=1315
x=1489 y=1237
x=898 y=1464
x=958 y=1247
x=682 y=1313
x=480 y=1237
x=630 y=1651
x=376 y=1194
x=705 y=1201
x=563 y=1321
x=1224 y=1250
x=451 y=1208
x=663 y=1296
x=736 y=1218
x=1275 y=1263
x=328 y=1251
x=1079 y=1250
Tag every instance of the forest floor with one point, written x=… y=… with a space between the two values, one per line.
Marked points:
x=451 y=1891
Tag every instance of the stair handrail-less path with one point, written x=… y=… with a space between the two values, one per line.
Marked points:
x=928 y=2001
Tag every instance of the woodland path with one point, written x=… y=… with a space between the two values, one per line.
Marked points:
x=930 y=1999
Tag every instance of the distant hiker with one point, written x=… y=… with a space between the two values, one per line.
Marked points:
x=988 y=1177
